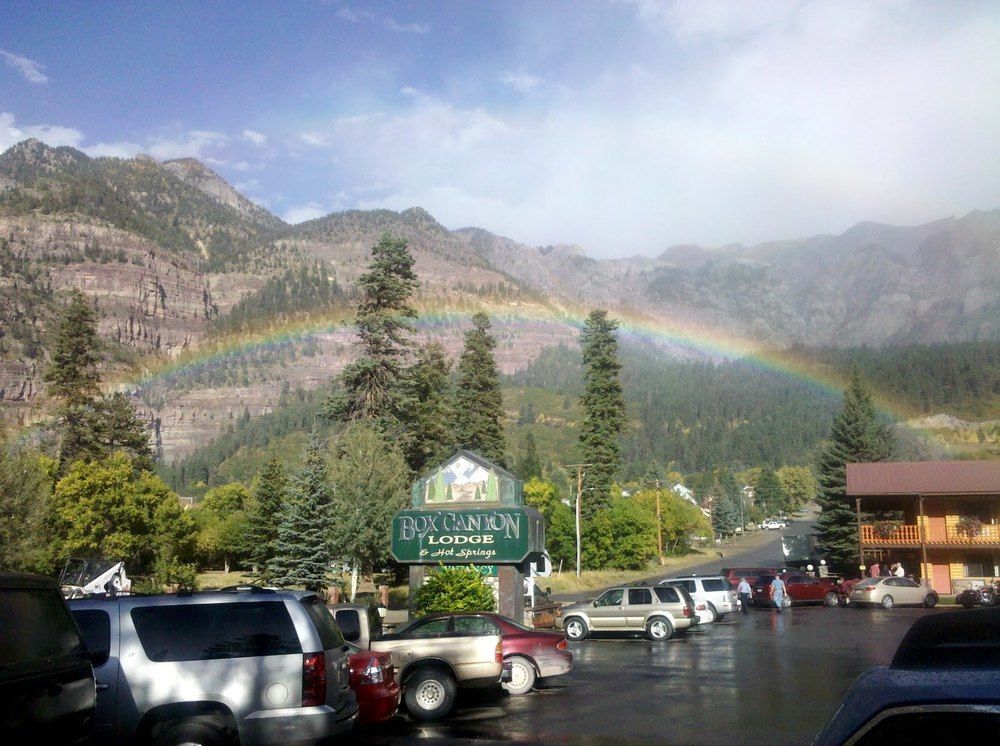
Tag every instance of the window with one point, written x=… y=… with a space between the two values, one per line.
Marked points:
x=96 y=628
x=190 y=632
x=639 y=596
x=432 y=628
x=974 y=570
x=934 y=727
x=907 y=583
x=330 y=636
x=715 y=584
x=894 y=582
x=475 y=625
x=349 y=622
x=35 y=624
x=611 y=598
x=667 y=595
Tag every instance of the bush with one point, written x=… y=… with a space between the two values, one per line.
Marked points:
x=622 y=537
x=455 y=589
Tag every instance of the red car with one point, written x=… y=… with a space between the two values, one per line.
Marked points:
x=373 y=679
x=802 y=589
x=532 y=653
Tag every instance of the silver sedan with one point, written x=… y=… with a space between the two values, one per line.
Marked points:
x=892 y=591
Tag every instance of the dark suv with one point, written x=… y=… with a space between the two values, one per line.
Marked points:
x=252 y=665
x=47 y=690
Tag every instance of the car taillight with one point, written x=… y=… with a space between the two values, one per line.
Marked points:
x=561 y=645
x=687 y=611
x=313 y=679
x=373 y=673
x=499 y=652
x=701 y=607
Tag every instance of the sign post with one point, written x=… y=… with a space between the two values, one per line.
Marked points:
x=470 y=511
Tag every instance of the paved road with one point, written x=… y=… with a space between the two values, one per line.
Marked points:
x=758 y=679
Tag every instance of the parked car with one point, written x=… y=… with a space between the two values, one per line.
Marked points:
x=254 y=665
x=373 y=679
x=438 y=653
x=714 y=597
x=47 y=690
x=774 y=524
x=802 y=590
x=532 y=653
x=988 y=595
x=733 y=574
x=892 y=591
x=941 y=687
x=658 y=610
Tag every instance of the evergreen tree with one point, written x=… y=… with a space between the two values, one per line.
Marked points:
x=426 y=395
x=266 y=506
x=770 y=495
x=857 y=436
x=118 y=428
x=726 y=498
x=604 y=409
x=302 y=548
x=479 y=400
x=73 y=379
x=371 y=382
x=529 y=466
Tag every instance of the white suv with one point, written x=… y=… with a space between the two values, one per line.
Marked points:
x=711 y=591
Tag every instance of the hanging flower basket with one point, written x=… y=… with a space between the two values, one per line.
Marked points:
x=969 y=526
x=886 y=529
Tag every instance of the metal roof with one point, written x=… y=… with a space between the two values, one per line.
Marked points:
x=924 y=478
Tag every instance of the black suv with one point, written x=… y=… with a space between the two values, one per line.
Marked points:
x=47 y=691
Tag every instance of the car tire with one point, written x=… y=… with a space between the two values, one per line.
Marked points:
x=659 y=629
x=713 y=615
x=192 y=731
x=887 y=602
x=969 y=605
x=575 y=628
x=831 y=599
x=930 y=600
x=522 y=678
x=430 y=694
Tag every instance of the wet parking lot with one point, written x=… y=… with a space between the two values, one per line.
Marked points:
x=760 y=678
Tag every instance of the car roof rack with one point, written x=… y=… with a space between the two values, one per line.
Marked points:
x=246 y=589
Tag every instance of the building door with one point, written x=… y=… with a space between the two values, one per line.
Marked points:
x=941 y=578
x=936 y=531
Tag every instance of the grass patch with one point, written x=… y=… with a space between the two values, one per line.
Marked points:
x=215 y=579
x=567 y=582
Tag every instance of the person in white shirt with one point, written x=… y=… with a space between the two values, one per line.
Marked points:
x=744 y=590
x=899 y=570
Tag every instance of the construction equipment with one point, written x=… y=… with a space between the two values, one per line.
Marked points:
x=89 y=577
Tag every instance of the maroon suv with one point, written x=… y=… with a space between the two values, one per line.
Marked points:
x=802 y=589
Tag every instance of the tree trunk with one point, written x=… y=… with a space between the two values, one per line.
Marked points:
x=354 y=582
x=226 y=565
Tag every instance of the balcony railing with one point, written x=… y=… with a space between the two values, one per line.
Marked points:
x=907 y=534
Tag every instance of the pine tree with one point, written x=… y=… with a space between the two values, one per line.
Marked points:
x=371 y=382
x=604 y=409
x=426 y=395
x=769 y=494
x=302 y=549
x=479 y=400
x=266 y=506
x=857 y=436
x=120 y=429
x=529 y=465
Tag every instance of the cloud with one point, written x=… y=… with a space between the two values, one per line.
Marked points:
x=315 y=139
x=407 y=28
x=302 y=213
x=29 y=69
x=353 y=15
x=51 y=134
x=258 y=139
x=191 y=144
x=113 y=149
x=521 y=82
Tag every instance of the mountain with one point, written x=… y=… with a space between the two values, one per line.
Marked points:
x=167 y=250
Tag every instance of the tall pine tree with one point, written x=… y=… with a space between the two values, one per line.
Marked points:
x=426 y=399
x=478 y=400
x=604 y=409
x=770 y=495
x=302 y=548
x=857 y=436
x=529 y=466
x=266 y=506
x=370 y=384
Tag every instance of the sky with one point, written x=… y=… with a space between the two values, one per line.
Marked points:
x=623 y=126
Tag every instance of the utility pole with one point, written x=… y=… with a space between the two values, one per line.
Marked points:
x=579 y=496
x=659 y=524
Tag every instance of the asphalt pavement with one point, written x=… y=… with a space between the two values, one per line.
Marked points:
x=755 y=679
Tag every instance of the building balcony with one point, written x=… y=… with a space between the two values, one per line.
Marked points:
x=908 y=535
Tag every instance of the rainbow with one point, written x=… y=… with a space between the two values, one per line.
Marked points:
x=686 y=338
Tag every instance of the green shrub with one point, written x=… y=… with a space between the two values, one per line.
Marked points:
x=455 y=589
x=622 y=536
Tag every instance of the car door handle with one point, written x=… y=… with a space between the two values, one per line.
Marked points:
x=103 y=687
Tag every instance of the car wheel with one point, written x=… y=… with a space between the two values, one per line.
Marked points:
x=968 y=604
x=430 y=694
x=522 y=675
x=659 y=629
x=713 y=615
x=887 y=602
x=930 y=600
x=192 y=731
x=576 y=629
x=831 y=599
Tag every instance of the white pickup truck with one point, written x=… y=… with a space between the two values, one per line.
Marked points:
x=436 y=654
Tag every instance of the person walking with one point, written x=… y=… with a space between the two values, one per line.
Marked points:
x=778 y=591
x=744 y=590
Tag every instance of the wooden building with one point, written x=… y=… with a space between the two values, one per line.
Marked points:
x=940 y=519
